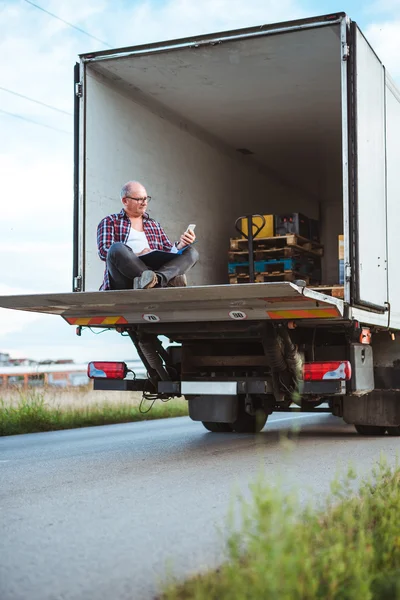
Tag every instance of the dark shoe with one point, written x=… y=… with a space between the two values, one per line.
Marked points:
x=178 y=281
x=148 y=279
x=300 y=282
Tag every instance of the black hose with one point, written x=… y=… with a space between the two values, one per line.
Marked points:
x=292 y=355
x=149 y=349
x=273 y=350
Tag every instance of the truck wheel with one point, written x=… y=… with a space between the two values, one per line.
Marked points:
x=217 y=427
x=394 y=430
x=310 y=405
x=370 y=429
x=246 y=423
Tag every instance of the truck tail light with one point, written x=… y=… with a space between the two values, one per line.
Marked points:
x=107 y=370
x=324 y=371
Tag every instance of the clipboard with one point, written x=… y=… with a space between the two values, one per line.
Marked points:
x=158 y=258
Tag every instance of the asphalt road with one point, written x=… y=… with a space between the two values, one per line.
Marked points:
x=105 y=512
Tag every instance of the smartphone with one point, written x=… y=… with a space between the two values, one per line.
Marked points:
x=191 y=227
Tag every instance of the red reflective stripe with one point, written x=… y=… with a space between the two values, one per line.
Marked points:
x=96 y=320
x=306 y=313
x=121 y=320
x=87 y=321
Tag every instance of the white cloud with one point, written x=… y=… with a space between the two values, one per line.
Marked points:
x=51 y=337
x=383 y=33
x=385 y=39
x=381 y=7
x=12 y=321
x=37 y=57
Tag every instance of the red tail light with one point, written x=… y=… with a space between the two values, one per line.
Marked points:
x=107 y=370
x=324 y=371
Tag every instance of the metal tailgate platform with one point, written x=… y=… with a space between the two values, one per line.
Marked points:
x=260 y=301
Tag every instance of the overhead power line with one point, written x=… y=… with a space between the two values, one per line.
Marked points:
x=65 y=112
x=5 y=112
x=67 y=23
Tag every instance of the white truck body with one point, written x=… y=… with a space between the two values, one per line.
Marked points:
x=310 y=105
x=292 y=117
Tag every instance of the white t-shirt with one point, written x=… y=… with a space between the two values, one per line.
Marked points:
x=137 y=240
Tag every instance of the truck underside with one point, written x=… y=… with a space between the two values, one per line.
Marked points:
x=281 y=119
x=240 y=352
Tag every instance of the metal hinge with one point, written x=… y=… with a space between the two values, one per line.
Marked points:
x=346 y=51
x=79 y=89
x=78 y=283
x=347 y=272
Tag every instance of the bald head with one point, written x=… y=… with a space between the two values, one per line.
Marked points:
x=134 y=199
x=133 y=188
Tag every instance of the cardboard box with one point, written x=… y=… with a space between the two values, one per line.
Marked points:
x=341 y=259
x=266 y=231
x=341 y=247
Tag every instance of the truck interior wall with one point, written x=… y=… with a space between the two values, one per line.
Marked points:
x=190 y=181
x=194 y=176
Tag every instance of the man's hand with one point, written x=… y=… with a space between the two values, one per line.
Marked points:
x=186 y=239
x=144 y=251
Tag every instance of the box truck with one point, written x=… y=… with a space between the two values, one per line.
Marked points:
x=296 y=117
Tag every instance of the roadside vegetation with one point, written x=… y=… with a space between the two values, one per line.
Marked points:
x=347 y=549
x=34 y=411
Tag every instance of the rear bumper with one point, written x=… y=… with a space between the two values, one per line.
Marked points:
x=219 y=387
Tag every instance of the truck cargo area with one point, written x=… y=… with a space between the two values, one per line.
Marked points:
x=297 y=121
x=215 y=131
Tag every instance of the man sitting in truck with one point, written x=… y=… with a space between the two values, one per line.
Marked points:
x=125 y=236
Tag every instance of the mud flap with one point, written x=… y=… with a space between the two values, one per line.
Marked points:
x=381 y=408
x=218 y=409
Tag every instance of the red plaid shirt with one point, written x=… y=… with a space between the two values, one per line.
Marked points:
x=116 y=228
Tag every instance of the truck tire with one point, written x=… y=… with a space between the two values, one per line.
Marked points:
x=218 y=427
x=370 y=429
x=394 y=430
x=246 y=423
x=310 y=405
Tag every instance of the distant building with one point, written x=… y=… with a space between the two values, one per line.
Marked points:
x=22 y=362
x=25 y=372
x=4 y=358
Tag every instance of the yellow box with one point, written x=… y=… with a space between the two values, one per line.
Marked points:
x=266 y=231
x=341 y=247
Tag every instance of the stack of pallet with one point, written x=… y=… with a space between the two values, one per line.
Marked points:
x=278 y=258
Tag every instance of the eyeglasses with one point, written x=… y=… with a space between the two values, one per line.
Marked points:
x=142 y=200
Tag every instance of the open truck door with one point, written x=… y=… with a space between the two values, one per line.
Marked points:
x=367 y=159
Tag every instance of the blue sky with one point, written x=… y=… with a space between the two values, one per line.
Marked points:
x=37 y=54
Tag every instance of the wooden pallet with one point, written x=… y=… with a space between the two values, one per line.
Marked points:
x=269 y=277
x=286 y=265
x=278 y=242
x=336 y=291
x=266 y=253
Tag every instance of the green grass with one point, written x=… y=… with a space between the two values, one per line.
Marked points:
x=30 y=413
x=347 y=550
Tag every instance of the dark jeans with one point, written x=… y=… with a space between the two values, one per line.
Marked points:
x=124 y=265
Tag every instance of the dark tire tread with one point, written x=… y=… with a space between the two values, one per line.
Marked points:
x=246 y=423
x=394 y=430
x=376 y=430
x=217 y=427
